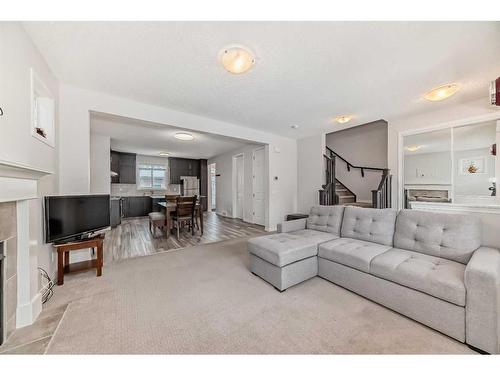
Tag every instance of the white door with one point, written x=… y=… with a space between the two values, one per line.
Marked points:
x=259 y=189
x=240 y=186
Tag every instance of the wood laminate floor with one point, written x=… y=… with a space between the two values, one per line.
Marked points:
x=132 y=238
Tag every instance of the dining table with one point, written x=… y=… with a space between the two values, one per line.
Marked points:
x=170 y=207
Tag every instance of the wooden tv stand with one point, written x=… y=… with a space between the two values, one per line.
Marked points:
x=63 y=265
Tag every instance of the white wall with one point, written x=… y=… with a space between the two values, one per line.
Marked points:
x=224 y=182
x=74 y=135
x=17 y=145
x=310 y=170
x=433 y=168
x=473 y=184
x=100 y=168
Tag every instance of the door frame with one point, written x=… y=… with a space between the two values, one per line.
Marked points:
x=263 y=148
x=235 y=186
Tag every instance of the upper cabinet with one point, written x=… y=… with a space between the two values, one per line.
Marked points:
x=183 y=167
x=124 y=164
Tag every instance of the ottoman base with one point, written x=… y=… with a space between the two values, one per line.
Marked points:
x=284 y=277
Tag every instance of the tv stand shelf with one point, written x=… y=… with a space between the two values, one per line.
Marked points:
x=63 y=264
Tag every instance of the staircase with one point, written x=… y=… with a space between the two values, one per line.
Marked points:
x=334 y=192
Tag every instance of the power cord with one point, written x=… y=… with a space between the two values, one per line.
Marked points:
x=48 y=292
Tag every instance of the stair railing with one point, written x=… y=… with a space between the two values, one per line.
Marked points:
x=382 y=197
x=327 y=195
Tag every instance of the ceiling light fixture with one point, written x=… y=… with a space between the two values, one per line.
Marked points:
x=163 y=153
x=343 y=119
x=442 y=92
x=294 y=126
x=184 y=136
x=413 y=148
x=237 y=60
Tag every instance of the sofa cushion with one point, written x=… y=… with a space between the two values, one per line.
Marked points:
x=449 y=236
x=285 y=248
x=441 y=278
x=369 y=224
x=326 y=219
x=350 y=252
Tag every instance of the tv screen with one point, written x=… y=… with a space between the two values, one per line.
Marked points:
x=68 y=217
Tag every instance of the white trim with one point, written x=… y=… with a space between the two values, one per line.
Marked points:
x=26 y=314
x=235 y=187
x=18 y=170
x=253 y=184
x=436 y=206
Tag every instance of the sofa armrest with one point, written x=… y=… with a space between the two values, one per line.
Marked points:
x=482 y=283
x=292 y=225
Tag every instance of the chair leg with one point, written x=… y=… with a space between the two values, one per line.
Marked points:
x=177 y=230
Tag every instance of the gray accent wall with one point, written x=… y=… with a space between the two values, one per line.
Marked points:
x=364 y=145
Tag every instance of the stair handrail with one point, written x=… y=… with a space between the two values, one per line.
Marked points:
x=350 y=165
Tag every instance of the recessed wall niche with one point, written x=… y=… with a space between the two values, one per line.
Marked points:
x=42 y=111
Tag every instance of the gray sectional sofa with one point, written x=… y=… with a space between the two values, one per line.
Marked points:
x=428 y=266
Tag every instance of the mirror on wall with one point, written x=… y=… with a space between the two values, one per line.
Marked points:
x=474 y=171
x=453 y=165
x=427 y=166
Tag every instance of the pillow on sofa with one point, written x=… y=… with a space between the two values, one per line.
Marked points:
x=325 y=219
x=369 y=224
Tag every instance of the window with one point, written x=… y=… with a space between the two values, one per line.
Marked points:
x=152 y=176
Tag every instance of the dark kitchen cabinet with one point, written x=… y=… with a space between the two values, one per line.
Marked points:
x=136 y=206
x=115 y=167
x=183 y=167
x=125 y=165
x=155 y=207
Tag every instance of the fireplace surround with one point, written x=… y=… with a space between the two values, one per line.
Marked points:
x=19 y=283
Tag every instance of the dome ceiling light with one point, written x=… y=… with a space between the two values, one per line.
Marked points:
x=184 y=136
x=442 y=92
x=237 y=60
x=343 y=119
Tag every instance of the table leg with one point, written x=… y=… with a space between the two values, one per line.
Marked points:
x=99 y=261
x=66 y=258
x=167 y=221
x=60 y=268
x=200 y=210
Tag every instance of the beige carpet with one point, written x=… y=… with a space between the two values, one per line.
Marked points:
x=204 y=300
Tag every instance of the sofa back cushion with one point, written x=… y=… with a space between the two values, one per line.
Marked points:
x=449 y=236
x=326 y=219
x=369 y=224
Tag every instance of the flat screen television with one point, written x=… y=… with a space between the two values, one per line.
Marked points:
x=75 y=217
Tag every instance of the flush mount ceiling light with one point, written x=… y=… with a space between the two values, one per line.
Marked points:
x=184 y=136
x=343 y=119
x=163 y=153
x=294 y=126
x=413 y=148
x=442 y=92
x=237 y=60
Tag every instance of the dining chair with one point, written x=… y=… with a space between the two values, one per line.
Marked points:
x=185 y=213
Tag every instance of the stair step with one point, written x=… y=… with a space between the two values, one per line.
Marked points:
x=347 y=199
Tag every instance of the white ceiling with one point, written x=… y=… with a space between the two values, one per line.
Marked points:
x=145 y=138
x=306 y=72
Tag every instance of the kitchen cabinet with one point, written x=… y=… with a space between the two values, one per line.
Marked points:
x=115 y=218
x=136 y=206
x=183 y=167
x=115 y=166
x=125 y=165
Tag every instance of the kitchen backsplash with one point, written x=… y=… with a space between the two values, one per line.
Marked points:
x=131 y=190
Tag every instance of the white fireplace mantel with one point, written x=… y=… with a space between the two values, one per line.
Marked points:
x=19 y=181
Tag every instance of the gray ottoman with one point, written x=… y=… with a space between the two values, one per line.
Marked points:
x=283 y=259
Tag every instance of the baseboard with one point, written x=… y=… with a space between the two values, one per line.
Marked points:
x=27 y=314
